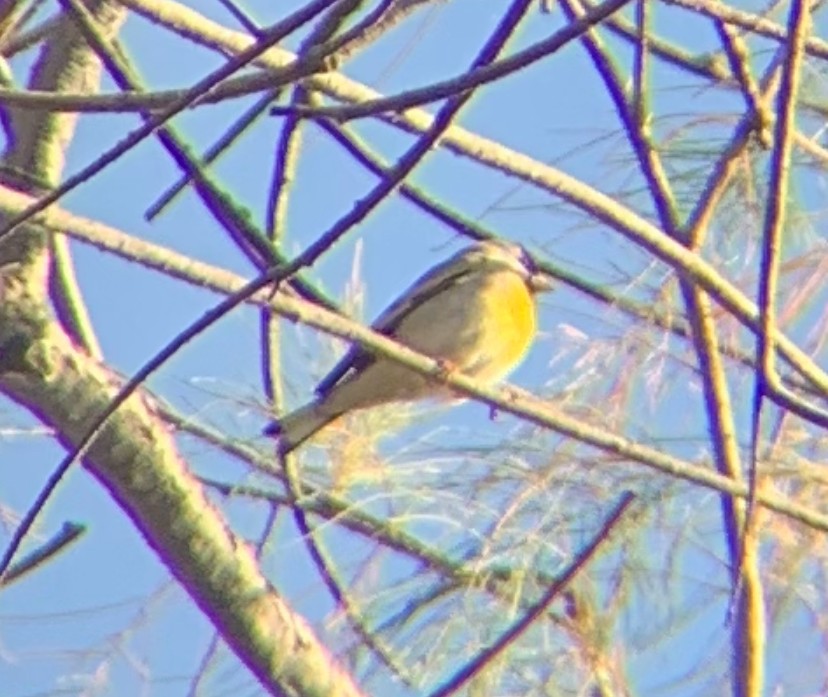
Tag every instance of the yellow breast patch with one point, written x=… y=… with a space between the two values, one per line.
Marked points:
x=510 y=326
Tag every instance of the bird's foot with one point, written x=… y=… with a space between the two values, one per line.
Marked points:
x=445 y=368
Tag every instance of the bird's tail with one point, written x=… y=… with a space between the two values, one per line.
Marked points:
x=295 y=428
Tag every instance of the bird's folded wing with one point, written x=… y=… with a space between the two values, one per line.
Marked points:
x=424 y=288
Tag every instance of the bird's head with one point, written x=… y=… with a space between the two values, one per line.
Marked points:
x=498 y=254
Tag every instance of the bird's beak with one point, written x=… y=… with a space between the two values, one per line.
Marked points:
x=541 y=282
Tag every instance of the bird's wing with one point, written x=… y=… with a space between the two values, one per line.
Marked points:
x=424 y=288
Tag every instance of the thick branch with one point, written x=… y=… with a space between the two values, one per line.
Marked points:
x=135 y=458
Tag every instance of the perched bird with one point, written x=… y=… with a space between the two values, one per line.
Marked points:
x=475 y=311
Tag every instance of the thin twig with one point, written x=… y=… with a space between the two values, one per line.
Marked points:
x=222 y=144
x=640 y=100
x=738 y=57
x=814 y=46
x=65 y=537
x=242 y=17
x=67 y=300
x=767 y=381
x=468 y=671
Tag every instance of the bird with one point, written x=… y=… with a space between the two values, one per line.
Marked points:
x=475 y=312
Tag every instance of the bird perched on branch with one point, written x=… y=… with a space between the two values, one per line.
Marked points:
x=475 y=312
